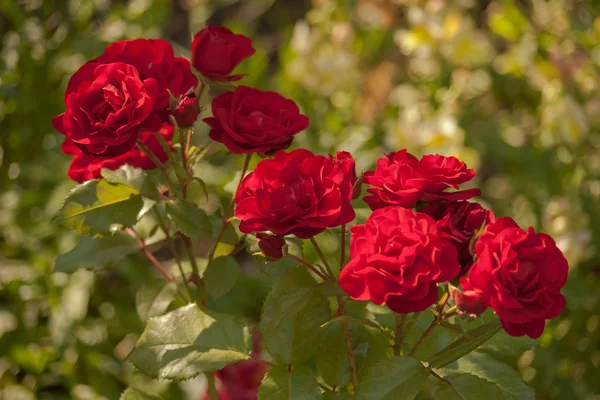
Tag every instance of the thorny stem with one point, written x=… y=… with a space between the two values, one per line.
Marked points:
x=155 y=262
x=399 y=320
x=436 y=321
x=309 y=266
x=224 y=226
x=322 y=256
x=243 y=173
x=158 y=164
x=343 y=245
x=446 y=381
x=212 y=388
x=348 y=342
x=171 y=243
x=183 y=146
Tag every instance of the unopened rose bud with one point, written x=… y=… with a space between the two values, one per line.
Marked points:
x=272 y=246
x=468 y=303
x=186 y=110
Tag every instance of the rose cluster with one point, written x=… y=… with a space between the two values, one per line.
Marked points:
x=126 y=100
x=122 y=107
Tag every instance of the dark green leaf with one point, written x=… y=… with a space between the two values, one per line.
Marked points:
x=96 y=253
x=502 y=375
x=96 y=207
x=298 y=384
x=135 y=394
x=191 y=220
x=470 y=387
x=332 y=357
x=153 y=300
x=392 y=379
x=136 y=178
x=186 y=342
x=292 y=317
x=471 y=340
x=221 y=275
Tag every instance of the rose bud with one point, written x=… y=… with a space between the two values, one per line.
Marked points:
x=216 y=51
x=272 y=246
x=186 y=110
x=468 y=303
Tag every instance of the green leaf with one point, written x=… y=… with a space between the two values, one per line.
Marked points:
x=97 y=207
x=96 y=253
x=297 y=384
x=135 y=394
x=274 y=268
x=502 y=375
x=336 y=396
x=221 y=275
x=135 y=178
x=191 y=220
x=153 y=300
x=470 y=387
x=332 y=357
x=437 y=340
x=187 y=342
x=391 y=379
x=471 y=340
x=292 y=317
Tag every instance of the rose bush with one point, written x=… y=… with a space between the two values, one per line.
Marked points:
x=416 y=240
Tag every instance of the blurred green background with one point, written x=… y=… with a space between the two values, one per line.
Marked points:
x=511 y=87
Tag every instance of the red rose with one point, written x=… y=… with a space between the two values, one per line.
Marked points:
x=458 y=221
x=271 y=245
x=252 y=121
x=519 y=274
x=186 y=110
x=294 y=193
x=346 y=162
x=111 y=99
x=84 y=167
x=398 y=257
x=402 y=180
x=216 y=51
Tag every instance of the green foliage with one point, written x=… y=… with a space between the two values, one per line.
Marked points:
x=152 y=300
x=292 y=317
x=142 y=181
x=135 y=394
x=187 y=342
x=191 y=220
x=220 y=276
x=96 y=253
x=282 y=384
x=97 y=207
x=462 y=387
x=395 y=378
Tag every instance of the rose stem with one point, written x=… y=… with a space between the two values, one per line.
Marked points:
x=322 y=256
x=399 y=320
x=436 y=319
x=183 y=147
x=239 y=185
x=171 y=243
x=348 y=342
x=155 y=262
x=212 y=388
x=343 y=244
x=158 y=164
x=309 y=265
x=446 y=381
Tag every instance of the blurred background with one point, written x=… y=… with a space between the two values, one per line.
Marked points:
x=511 y=87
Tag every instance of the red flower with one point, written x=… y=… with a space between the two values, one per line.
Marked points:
x=84 y=167
x=111 y=99
x=397 y=258
x=294 y=193
x=519 y=274
x=458 y=221
x=216 y=51
x=186 y=110
x=271 y=245
x=346 y=162
x=402 y=180
x=252 y=121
